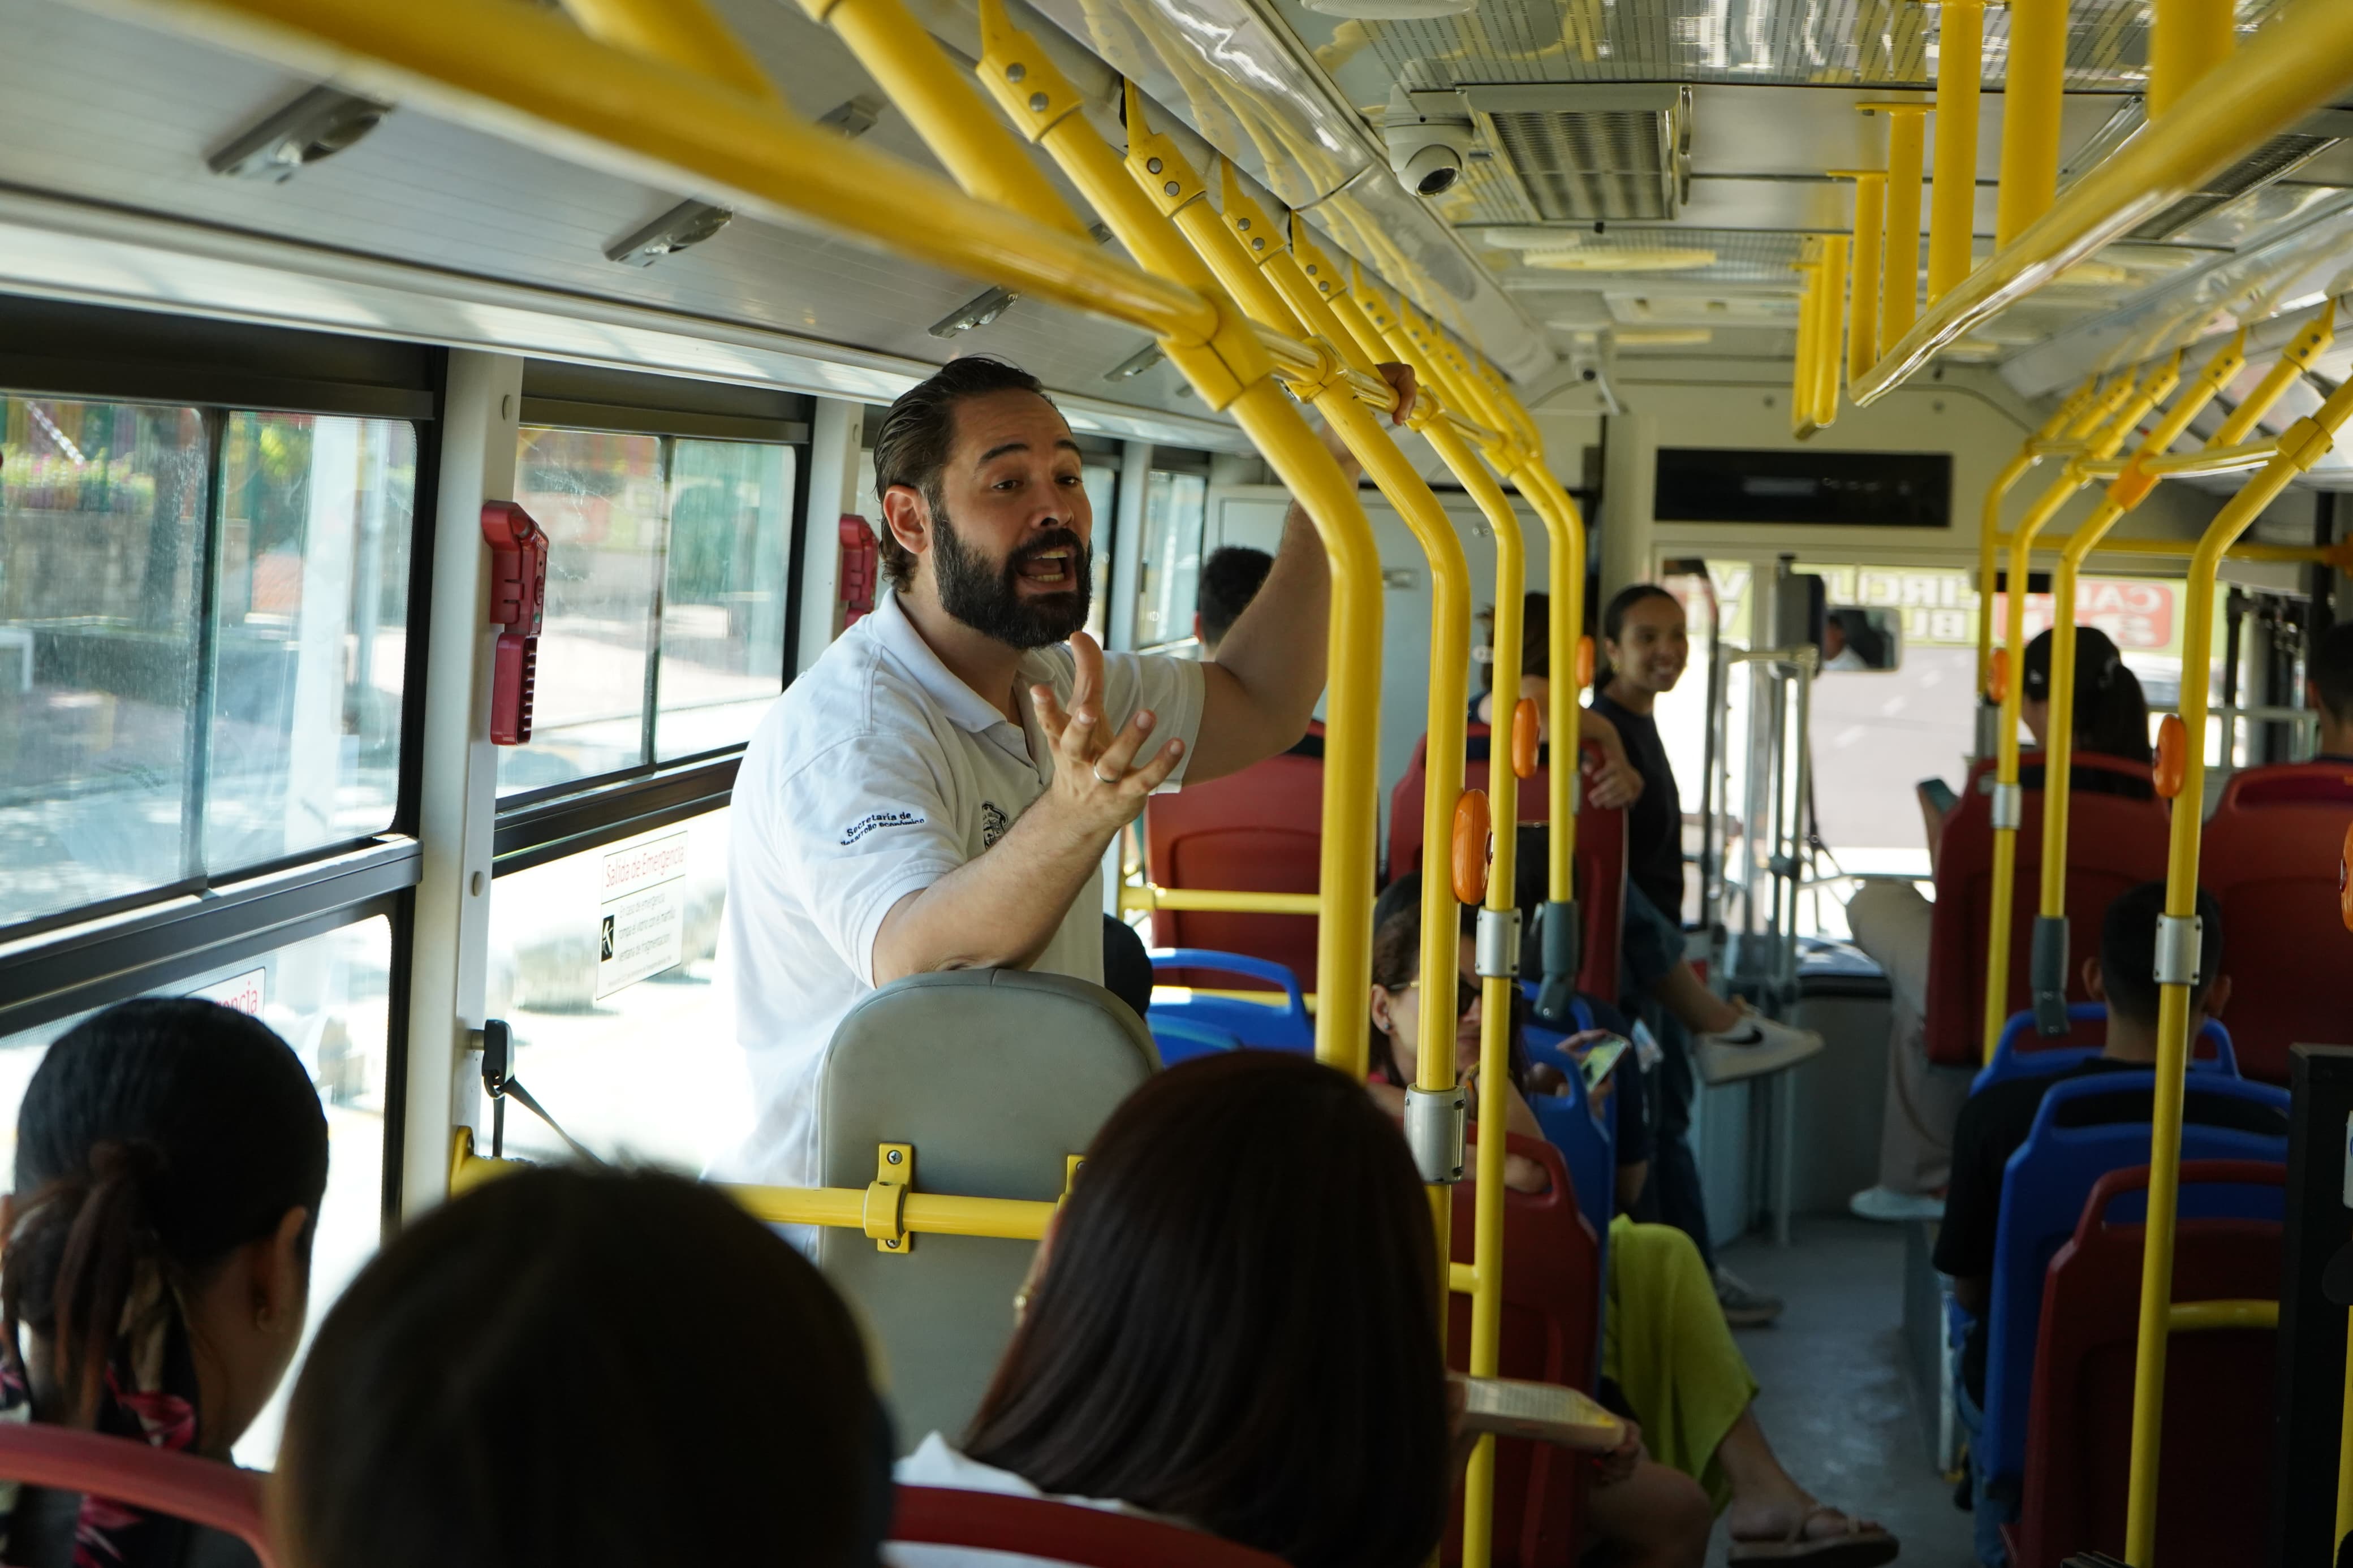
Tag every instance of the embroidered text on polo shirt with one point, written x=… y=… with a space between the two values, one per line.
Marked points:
x=993 y=823
x=872 y=820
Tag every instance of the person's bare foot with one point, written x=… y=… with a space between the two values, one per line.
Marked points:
x=1789 y=1525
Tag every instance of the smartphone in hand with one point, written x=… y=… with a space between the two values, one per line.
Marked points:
x=1939 y=794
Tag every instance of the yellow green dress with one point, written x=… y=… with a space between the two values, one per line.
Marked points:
x=1664 y=1342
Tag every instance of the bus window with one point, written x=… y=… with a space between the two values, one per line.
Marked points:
x=329 y=998
x=723 y=623
x=1175 y=507
x=101 y=523
x=310 y=632
x=601 y=962
x=666 y=599
x=1102 y=480
x=598 y=495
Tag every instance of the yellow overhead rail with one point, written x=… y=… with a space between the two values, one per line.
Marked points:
x=2208 y=106
x=2127 y=409
x=2301 y=446
x=2048 y=441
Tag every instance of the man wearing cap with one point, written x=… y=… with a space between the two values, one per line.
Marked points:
x=938 y=790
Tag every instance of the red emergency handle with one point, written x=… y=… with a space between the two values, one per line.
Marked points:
x=518 y=605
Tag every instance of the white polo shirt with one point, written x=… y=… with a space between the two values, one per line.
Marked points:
x=876 y=773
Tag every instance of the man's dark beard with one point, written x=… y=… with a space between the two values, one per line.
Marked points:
x=988 y=598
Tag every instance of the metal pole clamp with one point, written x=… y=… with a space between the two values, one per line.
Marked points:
x=1437 y=1129
x=2179 y=938
x=1499 y=944
x=2008 y=806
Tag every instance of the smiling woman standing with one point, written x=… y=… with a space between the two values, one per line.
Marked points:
x=1645 y=647
x=938 y=790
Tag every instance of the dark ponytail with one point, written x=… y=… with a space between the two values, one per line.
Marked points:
x=2111 y=711
x=1613 y=623
x=153 y=1140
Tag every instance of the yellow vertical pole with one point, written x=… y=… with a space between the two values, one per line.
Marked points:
x=1802 y=382
x=1231 y=370
x=1870 y=235
x=2301 y=446
x=1990 y=522
x=2186 y=39
x=2125 y=492
x=2033 y=92
x=2345 y=1445
x=1899 y=291
x=2008 y=801
x=1960 y=71
x=1826 y=329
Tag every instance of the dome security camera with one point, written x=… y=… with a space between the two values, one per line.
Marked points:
x=1428 y=136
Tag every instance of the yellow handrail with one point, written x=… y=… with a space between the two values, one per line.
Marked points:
x=1144 y=898
x=2298 y=64
x=1960 y=74
x=2032 y=95
x=1869 y=234
x=683 y=32
x=2033 y=450
x=2301 y=446
x=2128 y=407
x=2050 y=949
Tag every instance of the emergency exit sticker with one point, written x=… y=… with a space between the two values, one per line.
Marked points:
x=641 y=913
x=245 y=991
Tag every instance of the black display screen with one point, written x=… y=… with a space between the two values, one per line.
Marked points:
x=1852 y=489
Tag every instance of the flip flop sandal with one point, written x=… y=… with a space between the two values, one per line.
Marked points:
x=1860 y=1546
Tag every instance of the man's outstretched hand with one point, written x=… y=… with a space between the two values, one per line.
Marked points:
x=1099 y=787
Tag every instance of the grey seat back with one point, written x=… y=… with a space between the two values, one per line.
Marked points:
x=996 y=1077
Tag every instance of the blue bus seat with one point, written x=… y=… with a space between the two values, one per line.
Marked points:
x=1572 y=1123
x=1268 y=1025
x=2009 y=1061
x=2043 y=1192
x=1181 y=1038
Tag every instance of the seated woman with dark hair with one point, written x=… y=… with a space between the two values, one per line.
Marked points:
x=1668 y=1357
x=585 y=1369
x=1187 y=1350
x=171 y=1156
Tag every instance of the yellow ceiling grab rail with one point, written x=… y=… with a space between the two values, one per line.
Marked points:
x=2047 y=953
x=2301 y=446
x=2128 y=408
x=2032 y=451
x=2299 y=63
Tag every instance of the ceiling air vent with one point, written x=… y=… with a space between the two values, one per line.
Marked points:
x=2276 y=158
x=1587 y=154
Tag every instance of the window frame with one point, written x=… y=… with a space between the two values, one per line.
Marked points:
x=96 y=954
x=669 y=426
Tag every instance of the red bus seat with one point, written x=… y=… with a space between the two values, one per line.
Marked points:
x=1601 y=858
x=1060 y=1531
x=202 y=1491
x=1551 y=1333
x=2270 y=860
x=2216 y=1470
x=2113 y=842
x=1257 y=831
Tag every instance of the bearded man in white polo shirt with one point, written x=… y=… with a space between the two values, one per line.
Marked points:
x=938 y=790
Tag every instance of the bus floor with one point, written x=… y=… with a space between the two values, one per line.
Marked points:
x=1837 y=1401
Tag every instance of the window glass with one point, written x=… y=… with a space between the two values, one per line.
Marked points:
x=1169 y=574
x=310 y=618
x=101 y=527
x=599 y=498
x=329 y=998
x=601 y=962
x=1102 y=481
x=722 y=625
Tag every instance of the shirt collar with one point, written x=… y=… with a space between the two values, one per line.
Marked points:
x=967 y=708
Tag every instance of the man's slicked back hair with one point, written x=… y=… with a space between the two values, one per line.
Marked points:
x=1230 y=579
x=2330 y=666
x=2128 y=951
x=911 y=446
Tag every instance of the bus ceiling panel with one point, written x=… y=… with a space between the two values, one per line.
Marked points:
x=1241 y=77
x=2283 y=275
x=1365 y=45
x=120 y=119
x=62 y=249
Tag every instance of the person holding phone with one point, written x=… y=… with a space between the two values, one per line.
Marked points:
x=1668 y=1360
x=1891 y=922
